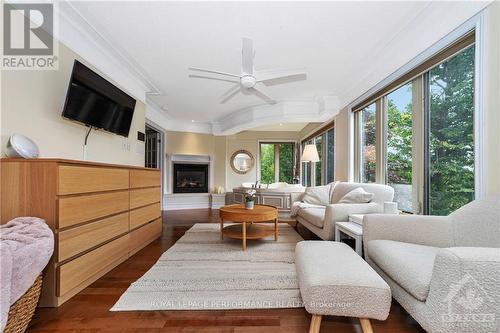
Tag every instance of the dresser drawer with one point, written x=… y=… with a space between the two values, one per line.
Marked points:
x=144 y=215
x=83 y=270
x=144 y=178
x=76 y=240
x=80 y=179
x=141 y=237
x=144 y=196
x=74 y=210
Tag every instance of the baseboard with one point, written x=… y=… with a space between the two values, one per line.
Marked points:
x=181 y=201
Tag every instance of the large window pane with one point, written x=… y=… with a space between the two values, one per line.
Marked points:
x=368 y=139
x=451 y=134
x=306 y=168
x=267 y=163
x=329 y=156
x=399 y=146
x=286 y=162
x=318 y=165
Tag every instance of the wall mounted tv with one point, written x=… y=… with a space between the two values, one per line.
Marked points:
x=96 y=102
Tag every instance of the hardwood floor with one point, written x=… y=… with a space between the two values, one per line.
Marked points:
x=89 y=310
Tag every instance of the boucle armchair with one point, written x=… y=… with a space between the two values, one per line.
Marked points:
x=321 y=220
x=444 y=270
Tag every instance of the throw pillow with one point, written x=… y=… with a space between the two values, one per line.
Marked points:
x=317 y=195
x=358 y=195
x=332 y=188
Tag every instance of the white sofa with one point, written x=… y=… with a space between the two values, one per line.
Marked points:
x=444 y=270
x=321 y=220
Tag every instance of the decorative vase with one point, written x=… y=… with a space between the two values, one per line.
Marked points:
x=249 y=204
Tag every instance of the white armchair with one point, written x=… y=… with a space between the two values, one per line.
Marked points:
x=444 y=270
x=321 y=220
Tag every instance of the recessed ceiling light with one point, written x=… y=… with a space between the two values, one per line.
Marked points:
x=192 y=120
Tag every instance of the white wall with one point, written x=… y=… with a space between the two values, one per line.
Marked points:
x=32 y=103
x=491 y=161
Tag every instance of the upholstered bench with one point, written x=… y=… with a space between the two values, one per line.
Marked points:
x=335 y=281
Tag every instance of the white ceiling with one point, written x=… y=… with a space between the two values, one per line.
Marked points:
x=280 y=127
x=340 y=44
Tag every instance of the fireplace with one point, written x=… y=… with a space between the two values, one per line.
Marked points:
x=190 y=178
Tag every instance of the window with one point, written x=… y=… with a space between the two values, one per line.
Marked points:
x=318 y=141
x=329 y=155
x=450 y=131
x=418 y=135
x=277 y=162
x=322 y=172
x=399 y=146
x=368 y=139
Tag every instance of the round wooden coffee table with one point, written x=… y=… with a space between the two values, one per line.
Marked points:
x=248 y=219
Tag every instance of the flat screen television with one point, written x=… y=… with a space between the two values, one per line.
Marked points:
x=95 y=102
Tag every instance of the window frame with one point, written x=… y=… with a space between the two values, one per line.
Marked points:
x=420 y=121
x=311 y=139
x=276 y=144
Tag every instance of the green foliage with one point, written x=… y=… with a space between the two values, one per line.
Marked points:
x=267 y=163
x=451 y=134
x=399 y=147
x=286 y=162
x=368 y=143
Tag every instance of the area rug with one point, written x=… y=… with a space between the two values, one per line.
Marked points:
x=203 y=272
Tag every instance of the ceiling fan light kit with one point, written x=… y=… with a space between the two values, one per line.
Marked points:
x=250 y=79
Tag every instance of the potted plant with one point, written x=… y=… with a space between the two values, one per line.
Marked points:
x=249 y=199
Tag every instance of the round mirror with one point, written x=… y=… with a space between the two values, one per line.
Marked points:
x=242 y=161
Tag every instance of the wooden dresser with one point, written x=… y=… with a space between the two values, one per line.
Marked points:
x=101 y=214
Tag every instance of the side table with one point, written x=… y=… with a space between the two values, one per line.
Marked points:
x=353 y=230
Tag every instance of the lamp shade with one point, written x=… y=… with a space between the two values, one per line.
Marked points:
x=310 y=154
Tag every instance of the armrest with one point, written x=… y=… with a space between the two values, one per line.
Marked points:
x=464 y=283
x=340 y=212
x=296 y=196
x=417 y=229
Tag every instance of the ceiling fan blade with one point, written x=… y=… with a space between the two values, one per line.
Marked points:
x=225 y=79
x=271 y=74
x=230 y=93
x=213 y=71
x=260 y=90
x=247 y=57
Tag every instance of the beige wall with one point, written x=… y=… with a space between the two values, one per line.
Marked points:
x=249 y=140
x=187 y=143
x=342 y=145
x=309 y=129
x=220 y=149
x=32 y=103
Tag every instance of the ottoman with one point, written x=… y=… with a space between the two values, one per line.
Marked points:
x=336 y=281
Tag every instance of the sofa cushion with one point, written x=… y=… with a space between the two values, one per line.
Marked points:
x=317 y=195
x=410 y=265
x=334 y=280
x=313 y=215
x=382 y=193
x=358 y=195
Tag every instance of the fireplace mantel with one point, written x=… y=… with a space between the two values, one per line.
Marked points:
x=181 y=158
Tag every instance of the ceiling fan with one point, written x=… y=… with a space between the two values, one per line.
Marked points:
x=250 y=80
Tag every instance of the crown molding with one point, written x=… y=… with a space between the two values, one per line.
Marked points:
x=452 y=21
x=78 y=34
x=167 y=122
x=318 y=110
